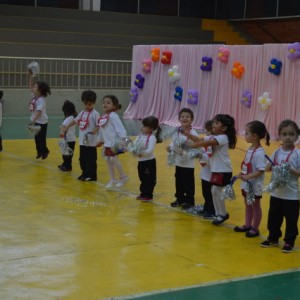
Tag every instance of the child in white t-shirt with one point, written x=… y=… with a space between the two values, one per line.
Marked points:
x=70 y=113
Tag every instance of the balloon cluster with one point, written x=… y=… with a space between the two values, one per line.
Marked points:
x=133 y=94
x=139 y=81
x=178 y=93
x=174 y=74
x=237 y=70
x=166 y=57
x=294 y=51
x=192 y=97
x=264 y=101
x=275 y=67
x=246 y=98
x=146 y=65
x=155 y=54
x=223 y=54
x=206 y=63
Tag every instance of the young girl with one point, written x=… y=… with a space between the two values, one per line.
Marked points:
x=111 y=128
x=220 y=164
x=70 y=113
x=184 y=167
x=253 y=170
x=208 y=211
x=284 y=201
x=147 y=161
x=87 y=121
x=37 y=107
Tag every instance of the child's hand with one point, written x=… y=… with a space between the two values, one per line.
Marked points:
x=168 y=148
x=99 y=144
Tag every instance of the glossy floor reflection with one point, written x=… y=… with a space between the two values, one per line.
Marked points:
x=61 y=238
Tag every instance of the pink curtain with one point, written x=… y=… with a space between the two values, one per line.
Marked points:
x=219 y=91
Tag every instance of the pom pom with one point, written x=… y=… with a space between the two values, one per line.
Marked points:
x=121 y=145
x=34 y=68
x=64 y=148
x=250 y=198
x=34 y=129
x=228 y=191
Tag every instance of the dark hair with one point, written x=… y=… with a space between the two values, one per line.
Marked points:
x=88 y=96
x=43 y=88
x=69 y=109
x=186 y=110
x=114 y=100
x=259 y=128
x=1 y=94
x=286 y=123
x=153 y=123
x=229 y=123
x=208 y=125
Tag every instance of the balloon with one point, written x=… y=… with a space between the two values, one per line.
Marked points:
x=166 y=57
x=223 y=54
x=133 y=94
x=246 y=98
x=192 y=97
x=139 y=81
x=206 y=63
x=155 y=53
x=237 y=70
x=174 y=74
x=275 y=67
x=178 y=93
x=294 y=51
x=146 y=65
x=265 y=101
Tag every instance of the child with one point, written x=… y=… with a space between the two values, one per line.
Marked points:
x=208 y=211
x=1 y=95
x=87 y=121
x=111 y=128
x=220 y=164
x=284 y=201
x=253 y=170
x=184 y=172
x=147 y=161
x=37 y=107
x=70 y=113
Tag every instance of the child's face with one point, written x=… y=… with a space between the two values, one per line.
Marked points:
x=218 y=127
x=108 y=105
x=288 y=136
x=185 y=119
x=249 y=136
x=89 y=105
x=146 y=130
x=35 y=90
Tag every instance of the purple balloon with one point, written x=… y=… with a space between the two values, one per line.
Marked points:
x=294 y=51
x=246 y=98
x=192 y=97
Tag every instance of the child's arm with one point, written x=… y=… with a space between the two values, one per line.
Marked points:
x=30 y=81
x=295 y=172
x=37 y=115
x=256 y=174
x=65 y=129
x=204 y=143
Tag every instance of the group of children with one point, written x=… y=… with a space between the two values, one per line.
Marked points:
x=216 y=172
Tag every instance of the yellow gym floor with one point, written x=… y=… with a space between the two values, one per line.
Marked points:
x=61 y=238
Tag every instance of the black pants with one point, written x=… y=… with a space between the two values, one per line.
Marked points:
x=208 y=200
x=40 y=140
x=185 y=185
x=279 y=209
x=88 y=161
x=67 y=159
x=147 y=176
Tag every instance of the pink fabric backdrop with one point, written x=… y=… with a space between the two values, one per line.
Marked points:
x=219 y=91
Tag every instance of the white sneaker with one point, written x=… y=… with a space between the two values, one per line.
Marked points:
x=111 y=184
x=122 y=181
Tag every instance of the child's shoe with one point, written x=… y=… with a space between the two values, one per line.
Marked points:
x=89 y=179
x=175 y=204
x=122 y=181
x=220 y=219
x=268 y=244
x=111 y=184
x=146 y=199
x=252 y=233
x=241 y=228
x=287 y=248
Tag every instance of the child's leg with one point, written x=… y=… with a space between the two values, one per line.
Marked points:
x=115 y=161
x=257 y=214
x=110 y=166
x=248 y=214
x=208 y=200
x=188 y=184
x=91 y=163
x=275 y=219
x=147 y=175
x=219 y=204
x=291 y=214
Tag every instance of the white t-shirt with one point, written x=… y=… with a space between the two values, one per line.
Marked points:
x=87 y=122
x=291 y=190
x=258 y=163
x=220 y=161
x=111 y=130
x=205 y=172
x=183 y=161
x=149 y=142
x=39 y=105
x=70 y=135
